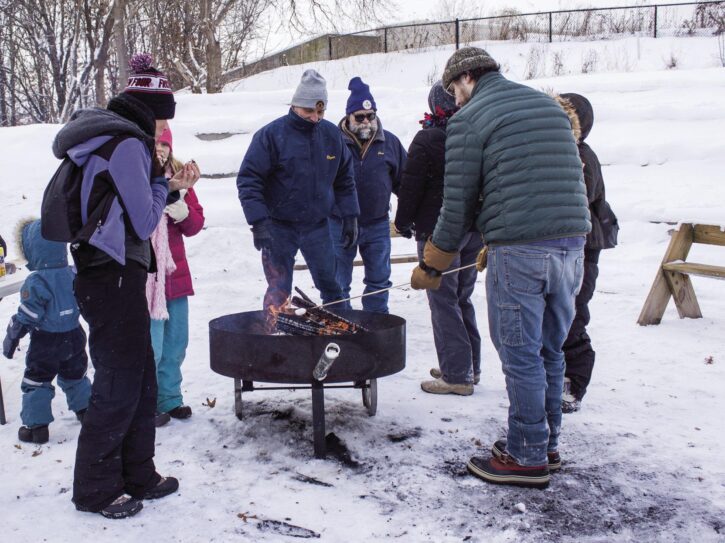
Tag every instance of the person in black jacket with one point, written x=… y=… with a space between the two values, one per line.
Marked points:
x=578 y=351
x=455 y=333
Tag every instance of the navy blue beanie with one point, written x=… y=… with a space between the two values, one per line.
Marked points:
x=360 y=97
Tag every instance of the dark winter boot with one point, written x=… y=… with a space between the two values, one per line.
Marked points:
x=504 y=470
x=122 y=507
x=161 y=419
x=165 y=486
x=499 y=448
x=181 y=412
x=80 y=414
x=38 y=435
x=570 y=402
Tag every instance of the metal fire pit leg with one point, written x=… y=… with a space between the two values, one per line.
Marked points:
x=238 y=398
x=318 y=419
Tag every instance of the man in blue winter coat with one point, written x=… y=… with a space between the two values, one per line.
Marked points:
x=379 y=159
x=295 y=170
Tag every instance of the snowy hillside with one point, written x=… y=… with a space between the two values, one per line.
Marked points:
x=642 y=460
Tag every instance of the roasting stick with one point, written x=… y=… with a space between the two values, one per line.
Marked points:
x=389 y=288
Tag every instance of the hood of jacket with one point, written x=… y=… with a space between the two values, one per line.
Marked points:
x=40 y=253
x=583 y=111
x=568 y=107
x=88 y=129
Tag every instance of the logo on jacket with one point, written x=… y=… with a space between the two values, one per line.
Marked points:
x=381 y=153
x=331 y=157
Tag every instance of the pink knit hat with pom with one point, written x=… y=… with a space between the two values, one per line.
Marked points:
x=151 y=86
x=166 y=138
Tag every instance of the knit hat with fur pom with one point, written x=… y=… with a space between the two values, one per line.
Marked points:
x=150 y=86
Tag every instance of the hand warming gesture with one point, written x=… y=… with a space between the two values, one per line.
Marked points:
x=185 y=178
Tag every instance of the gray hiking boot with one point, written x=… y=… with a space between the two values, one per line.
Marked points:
x=439 y=386
x=437 y=374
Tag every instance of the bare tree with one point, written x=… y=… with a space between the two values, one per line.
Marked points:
x=44 y=48
x=120 y=48
x=305 y=16
x=59 y=55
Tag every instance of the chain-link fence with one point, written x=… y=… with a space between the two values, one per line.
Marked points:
x=685 y=19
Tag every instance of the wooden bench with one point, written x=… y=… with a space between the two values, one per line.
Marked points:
x=673 y=277
x=399 y=259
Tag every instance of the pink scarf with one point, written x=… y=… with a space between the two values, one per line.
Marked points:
x=156 y=282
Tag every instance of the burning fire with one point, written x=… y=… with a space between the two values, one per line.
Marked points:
x=273 y=313
x=299 y=315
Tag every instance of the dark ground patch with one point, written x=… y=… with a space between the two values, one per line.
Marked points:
x=418 y=478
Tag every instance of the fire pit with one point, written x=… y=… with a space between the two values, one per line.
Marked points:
x=243 y=347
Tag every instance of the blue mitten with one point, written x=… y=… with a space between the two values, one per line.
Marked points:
x=16 y=331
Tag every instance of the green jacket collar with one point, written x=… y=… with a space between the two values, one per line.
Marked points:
x=486 y=81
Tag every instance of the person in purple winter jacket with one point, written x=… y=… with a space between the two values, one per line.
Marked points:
x=123 y=196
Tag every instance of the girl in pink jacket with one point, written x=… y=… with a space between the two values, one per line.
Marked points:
x=168 y=290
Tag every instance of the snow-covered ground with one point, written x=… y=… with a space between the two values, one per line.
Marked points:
x=643 y=459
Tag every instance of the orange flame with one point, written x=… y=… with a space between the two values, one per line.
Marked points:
x=273 y=312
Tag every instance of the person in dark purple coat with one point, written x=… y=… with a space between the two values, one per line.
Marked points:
x=123 y=196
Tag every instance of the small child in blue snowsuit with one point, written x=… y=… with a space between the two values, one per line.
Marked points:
x=48 y=310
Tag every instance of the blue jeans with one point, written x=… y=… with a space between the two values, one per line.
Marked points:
x=315 y=243
x=453 y=317
x=374 y=244
x=531 y=292
x=169 y=339
x=51 y=355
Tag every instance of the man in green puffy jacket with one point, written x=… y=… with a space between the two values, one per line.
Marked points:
x=513 y=168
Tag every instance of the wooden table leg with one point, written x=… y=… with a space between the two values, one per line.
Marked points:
x=659 y=295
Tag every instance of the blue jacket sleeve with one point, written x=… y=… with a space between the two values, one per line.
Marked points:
x=256 y=167
x=344 y=184
x=34 y=298
x=143 y=199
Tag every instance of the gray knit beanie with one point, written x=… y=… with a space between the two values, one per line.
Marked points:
x=463 y=60
x=311 y=90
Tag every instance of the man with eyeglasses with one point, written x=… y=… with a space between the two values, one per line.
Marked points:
x=511 y=147
x=379 y=158
x=295 y=170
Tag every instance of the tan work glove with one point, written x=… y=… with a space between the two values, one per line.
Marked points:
x=428 y=274
x=482 y=259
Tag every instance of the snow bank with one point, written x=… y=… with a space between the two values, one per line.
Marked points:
x=642 y=460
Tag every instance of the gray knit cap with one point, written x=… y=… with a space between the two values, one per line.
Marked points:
x=463 y=60
x=311 y=90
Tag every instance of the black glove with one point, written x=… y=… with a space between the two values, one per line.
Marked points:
x=262 y=234
x=405 y=231
x=16 y=330
x=349 y=232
